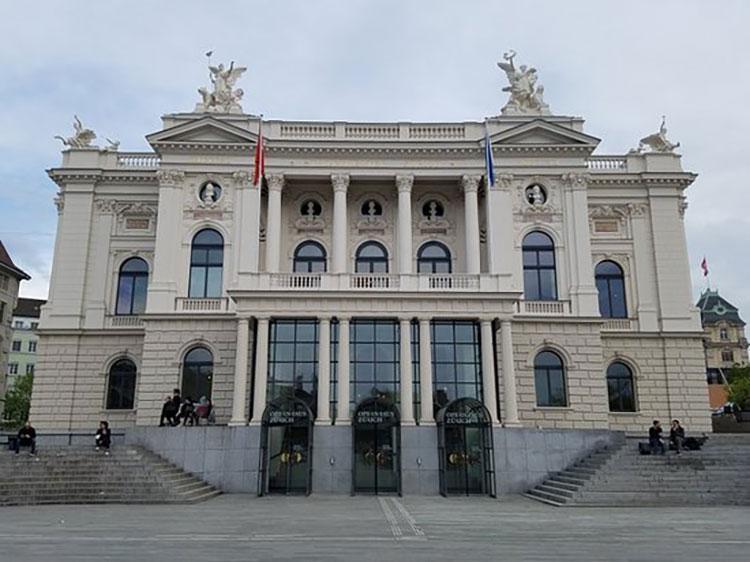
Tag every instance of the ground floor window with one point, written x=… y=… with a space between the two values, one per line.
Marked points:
x=456 y=361
x=620 y=388
x=121 y=385
x=549 y=380
x=293 y=360
x=374 y=360
x=197 y=373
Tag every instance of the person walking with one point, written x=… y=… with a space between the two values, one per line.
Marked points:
x=654 y=438
x=677 y=436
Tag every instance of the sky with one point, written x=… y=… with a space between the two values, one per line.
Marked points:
x=120 y=65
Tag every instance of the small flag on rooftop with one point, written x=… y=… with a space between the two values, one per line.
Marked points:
x=704 y=267
x=489 y=163
x=259 y=164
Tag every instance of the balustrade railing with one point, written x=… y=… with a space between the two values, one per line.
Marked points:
x=618 y=325
x=373 y=281
x=129 y=321
x=607 y=164
x=201 y=305
x=296 y=280
x=437 y=132
x=543 y=308
x=137 y=160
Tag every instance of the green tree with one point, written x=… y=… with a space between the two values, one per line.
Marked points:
x=739 y=386
x=18 y=401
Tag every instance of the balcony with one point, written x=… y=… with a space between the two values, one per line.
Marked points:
x=127 y=322
x=376 y=282
x=202 y=306
x=543 y=308
x=619 y=325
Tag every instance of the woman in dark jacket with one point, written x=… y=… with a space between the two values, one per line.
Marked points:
x=103 y=437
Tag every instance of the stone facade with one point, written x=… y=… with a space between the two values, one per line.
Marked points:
x=10 y=280
x=400 y=185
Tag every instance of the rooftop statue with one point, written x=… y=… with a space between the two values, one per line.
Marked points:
x=525 y=96
x=657 y=142
x=224 y=98
x=82 y=137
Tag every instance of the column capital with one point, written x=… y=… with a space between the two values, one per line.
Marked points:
x=170 y=178
x=575 y=181
x=470 y=183
x=340 y=182
x=404 y=182
x=275 y=182
x=486 y=319
x=325 y=318
x=241 y=179
x=405 y=318
x=423 y=320
x=341 y=319
x=504 y=181
x=263 y=318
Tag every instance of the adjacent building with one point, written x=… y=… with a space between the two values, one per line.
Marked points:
x=25 y=339
x=724 y=342
x=386 y=282
x=10 y=279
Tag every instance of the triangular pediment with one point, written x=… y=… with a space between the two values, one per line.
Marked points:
x=542 y=133
x=203 y=131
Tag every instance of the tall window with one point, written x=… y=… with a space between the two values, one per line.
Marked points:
x=549 y=380
x=723 y=334
x=374 y=352
x=620 y=388
x=309 y=257
x=121 y=385
x=434 y=257
x=727 y=355
x=610 y=282
x=372 y=257
x=539 y=276
x=132 y=287
x=206 y=264
x=456 y=361
x=197 y=373
x=293 y=360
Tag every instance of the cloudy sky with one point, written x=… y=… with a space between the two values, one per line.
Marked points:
x=120 y=65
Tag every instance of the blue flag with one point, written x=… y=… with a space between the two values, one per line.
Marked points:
x=489 y=164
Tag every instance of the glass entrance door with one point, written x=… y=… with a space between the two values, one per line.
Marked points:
x=377 y=468
x=286 y=448
x=465 y=449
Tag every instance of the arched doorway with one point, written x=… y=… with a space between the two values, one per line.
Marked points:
x=465 y=449
x=377 y=447
x=286 y=447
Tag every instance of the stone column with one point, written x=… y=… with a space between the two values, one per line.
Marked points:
x=261 y=371
x=239 y=413
x=342 y=398
x=273 y=222
x=407 y=393
x=488 y=369
x=471 y=222
x=404 y=184
x=426 y=415
x=340 y=231
x=510 y=397
x=324 y=372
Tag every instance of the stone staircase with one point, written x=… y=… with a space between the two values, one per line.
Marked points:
x=716 y=475
x=129 y=474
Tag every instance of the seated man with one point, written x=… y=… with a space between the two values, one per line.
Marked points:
x=26 y=438
x=676 y=436
x=654 y=438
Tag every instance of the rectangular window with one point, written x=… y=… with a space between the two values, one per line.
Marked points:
x=456 y=361
x=334 y=368
x=374 y=360
x=32 y=347
x=726 y=355
x=16 y=345
x=18 y=324
x=293 y=360
x=34 y=325
x=416 y=388
x=12 y=368
x=30 y=369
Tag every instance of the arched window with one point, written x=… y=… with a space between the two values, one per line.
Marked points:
x=121 y=385
x=434 y=257
x=610 y=282
x=309 y=257
x=132 y=286
x=197 y=373
x=620 y=388
x=539 y=277
x=549 y=379
x=372 y=257
x=206 y=264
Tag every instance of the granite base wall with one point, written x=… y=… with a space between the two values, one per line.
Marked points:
x=228 y=457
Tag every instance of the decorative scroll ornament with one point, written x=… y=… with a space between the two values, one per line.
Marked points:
x=525 y=96
x=576 y=181
x=657 y=142
x=170 y=177
x=224 y=98
x=82 y=137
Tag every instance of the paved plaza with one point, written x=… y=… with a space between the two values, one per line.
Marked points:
x=239 y=527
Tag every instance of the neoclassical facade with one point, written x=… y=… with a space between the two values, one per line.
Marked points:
x=376 y=262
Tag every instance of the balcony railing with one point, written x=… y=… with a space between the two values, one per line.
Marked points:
x=130 y=321
x=618 y=325
x=201 y=305
x=373 y=282
x=543 y=308
x=611 y=164
x=138 y=160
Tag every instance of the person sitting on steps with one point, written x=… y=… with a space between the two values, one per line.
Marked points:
x=103 y=437
x=654 y=438
x=26 y=438
x=187 y=412
x=203 y=410
x=676 y=436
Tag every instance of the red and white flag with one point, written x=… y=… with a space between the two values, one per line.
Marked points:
x=704 y=267
x=259 y=164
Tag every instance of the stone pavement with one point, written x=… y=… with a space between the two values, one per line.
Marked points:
x=246 y=528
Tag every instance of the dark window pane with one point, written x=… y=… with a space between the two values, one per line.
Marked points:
x=442 y=332
x=546 y=258
x=466 y=353
x=124 y=295
x=531 y=285
x=530 y=258
x=306 y=352
x=197 y=282
x=364 y=352
x=547 y=288
x=139 y=294
x=443 y=353
x=213 y=282
x=284 y=331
